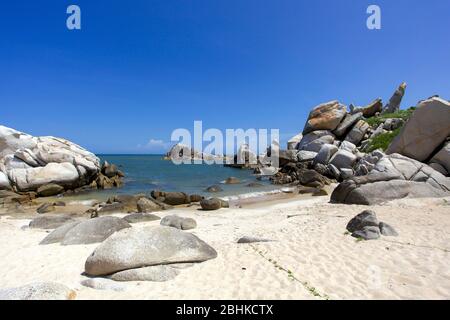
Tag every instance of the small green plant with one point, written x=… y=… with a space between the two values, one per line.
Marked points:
x=359 y=239
x=382 y=141
x=402 y=114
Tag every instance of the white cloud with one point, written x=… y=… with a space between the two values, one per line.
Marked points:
x=155 y=143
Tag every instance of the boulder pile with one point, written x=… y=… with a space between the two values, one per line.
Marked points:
x=377 y=153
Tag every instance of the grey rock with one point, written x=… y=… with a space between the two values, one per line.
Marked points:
x=367 y=233
x=373 y=108
x=366 y=218
x=394 y=177
x=333 y=171
x=211 y=204
x=326 y=116
x=111 y=208
x=132 y=248
x=439 y=168
x=140 y=217
x=325 y=154
x=387 y=230
x=347 y=146
x=45 y=208
x=247 y=239
x=346 y=173
x=147 y=205
x=94 y=230
x=292 y=144
x=287 y=156
x=196 y=198
x=321 y=168
x=396 y=99
x=214 y=189
x=357 y=133
x=442 y=157
x=38 y=291
x=304 y=155
x=393 y=124
x=378 y=131
x=347 y=123
x=30 y=162
x=343 y=159
x=159 y=273
x=59 y=233
x=313 y=141
x=179 y=222
x=50 y=189
x=103 y=284
x=425 y=130
x=176 y=198
x=50 y=221
x=232 y=180
x=254 y=185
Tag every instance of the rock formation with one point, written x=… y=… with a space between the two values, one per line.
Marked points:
x=49 y=165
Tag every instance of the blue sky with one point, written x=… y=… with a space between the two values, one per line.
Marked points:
x=139 y=69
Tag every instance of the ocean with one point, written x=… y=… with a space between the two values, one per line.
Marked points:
x=144 y=173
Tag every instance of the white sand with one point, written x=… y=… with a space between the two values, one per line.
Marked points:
x=311 y=255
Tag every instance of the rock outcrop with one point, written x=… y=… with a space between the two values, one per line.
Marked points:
x=46 y=165
x=393 y=177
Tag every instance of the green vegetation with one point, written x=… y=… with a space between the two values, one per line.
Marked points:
x=382 y=141
x=403 y=114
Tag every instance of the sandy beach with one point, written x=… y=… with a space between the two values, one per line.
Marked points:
x=311 y=255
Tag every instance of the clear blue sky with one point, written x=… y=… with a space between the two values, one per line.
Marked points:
x=139 y=69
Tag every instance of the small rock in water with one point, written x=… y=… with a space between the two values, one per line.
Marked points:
x=179 y=222
x=387 y=230
x=247 y=239
x=103 y=284
x=214 y=189
x=232 y=180
x=254 y=185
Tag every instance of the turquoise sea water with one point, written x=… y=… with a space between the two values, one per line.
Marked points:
x=144 y=173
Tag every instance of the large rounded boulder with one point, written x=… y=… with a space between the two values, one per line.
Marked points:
x=141 y=247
